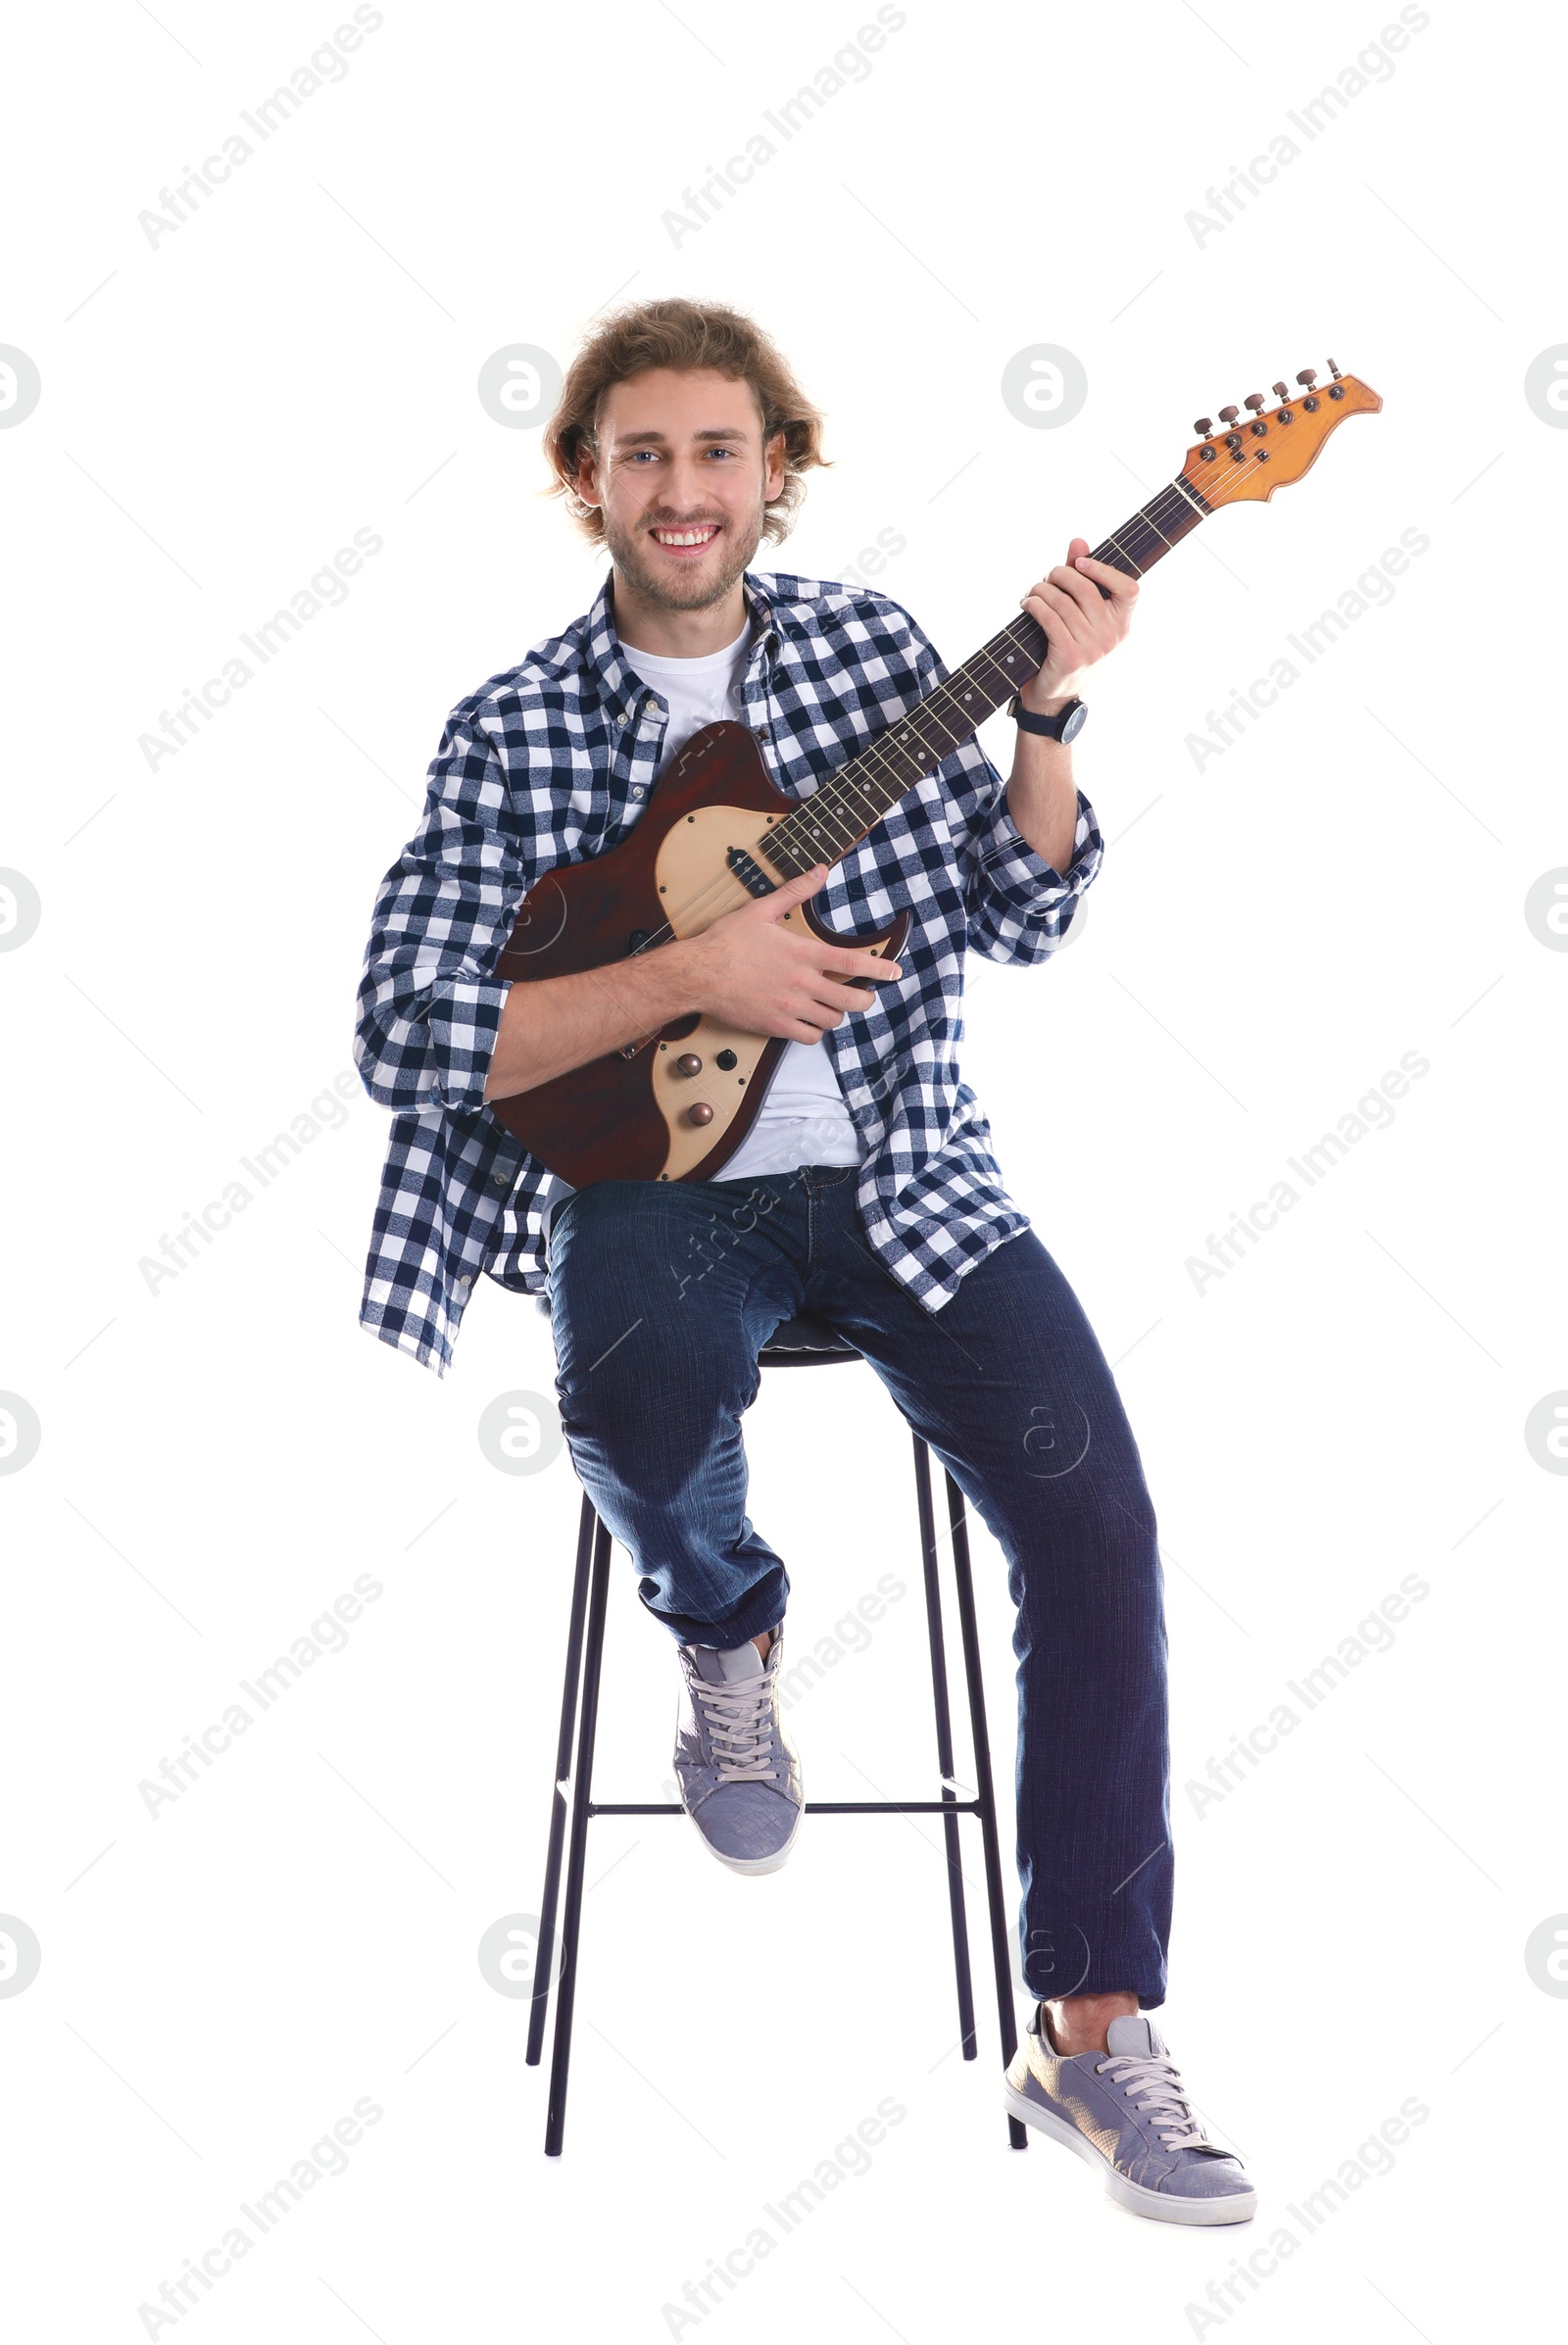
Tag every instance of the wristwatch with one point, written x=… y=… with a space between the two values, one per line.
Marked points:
x=1064 y=726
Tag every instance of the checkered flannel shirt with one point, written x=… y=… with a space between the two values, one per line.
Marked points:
x=556 y=759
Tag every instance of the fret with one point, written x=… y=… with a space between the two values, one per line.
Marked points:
x=850 y=803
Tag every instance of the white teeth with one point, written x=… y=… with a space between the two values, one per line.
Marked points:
x=683 y=537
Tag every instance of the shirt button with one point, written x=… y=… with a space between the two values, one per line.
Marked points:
x=500 y=1179
x=621 y=719
x=466 y=1281
x=639 y=790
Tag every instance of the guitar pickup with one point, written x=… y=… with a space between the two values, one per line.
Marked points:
x=750 y=873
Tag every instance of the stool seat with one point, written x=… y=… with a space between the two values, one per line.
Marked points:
x=805 y=1343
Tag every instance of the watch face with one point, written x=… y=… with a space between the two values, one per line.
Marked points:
x=1073 y=720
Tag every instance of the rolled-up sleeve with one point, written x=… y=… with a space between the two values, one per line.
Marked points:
x=1021 y=906
x=429 y=1009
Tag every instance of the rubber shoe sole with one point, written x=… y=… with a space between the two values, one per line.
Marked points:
x=1239 y=2206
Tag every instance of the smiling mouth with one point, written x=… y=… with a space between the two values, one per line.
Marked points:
x=686 y=541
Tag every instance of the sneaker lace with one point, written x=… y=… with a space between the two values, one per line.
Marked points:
x=1154 y=2083
x=738 y=1719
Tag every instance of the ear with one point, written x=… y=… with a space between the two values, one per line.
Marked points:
x=773 y=468
x=587 y=475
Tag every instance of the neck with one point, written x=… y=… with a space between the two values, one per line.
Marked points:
x=645 y=625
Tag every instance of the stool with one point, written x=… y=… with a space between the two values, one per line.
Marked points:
x=799 y=1342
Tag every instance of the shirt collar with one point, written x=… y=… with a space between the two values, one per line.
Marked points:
x=618 y=681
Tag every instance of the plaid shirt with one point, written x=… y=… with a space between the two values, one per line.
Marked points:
x=556 y=759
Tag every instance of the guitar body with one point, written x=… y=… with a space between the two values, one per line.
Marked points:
x=628 y=1116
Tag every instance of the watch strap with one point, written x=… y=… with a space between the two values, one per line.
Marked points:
x=1048 y=727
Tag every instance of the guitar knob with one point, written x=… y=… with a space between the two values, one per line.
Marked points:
x=1307 y=375
x=688 y=1063
x=1205 y=428
x=1228 y=414
x=698 y=1112
x=1282 y=390
x=1255 y=400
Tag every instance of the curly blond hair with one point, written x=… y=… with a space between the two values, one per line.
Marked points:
x=686 y=335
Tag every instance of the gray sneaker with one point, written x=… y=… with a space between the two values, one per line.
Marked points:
x=1127 y=2111
x=738 y=1774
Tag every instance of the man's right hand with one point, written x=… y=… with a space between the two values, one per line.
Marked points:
x=758 y=975
x=748 y=969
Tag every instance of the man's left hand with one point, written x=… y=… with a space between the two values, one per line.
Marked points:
x=1080 y=623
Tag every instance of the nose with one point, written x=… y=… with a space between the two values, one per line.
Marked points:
x=686 y=490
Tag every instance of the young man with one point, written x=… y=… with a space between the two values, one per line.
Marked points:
x=864 y=1194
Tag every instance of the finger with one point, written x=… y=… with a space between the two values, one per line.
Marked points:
x=1119 y=586
x=856 y=964
x=827 y=995
x=824 y=995
x=794 y=891
x=1084 y=592
x=1057 y=612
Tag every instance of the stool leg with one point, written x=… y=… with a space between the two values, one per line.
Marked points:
x=1005 y=2013
x=939 y=1688
x=558 y=1795
x=583 y=1780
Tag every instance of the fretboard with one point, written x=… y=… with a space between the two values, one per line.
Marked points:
x=851 y=801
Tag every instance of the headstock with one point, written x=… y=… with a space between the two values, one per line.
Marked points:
x=1254 y=457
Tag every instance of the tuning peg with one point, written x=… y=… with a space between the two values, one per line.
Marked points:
x=1205 y=428
x=1282 y=391
x=1228 y=414
x=1307 y=375
x=1334 y=370
x=1254 y=400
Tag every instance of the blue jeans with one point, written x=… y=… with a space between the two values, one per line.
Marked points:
x=662 y=1295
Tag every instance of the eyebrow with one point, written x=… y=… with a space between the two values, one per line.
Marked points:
x=659 y=439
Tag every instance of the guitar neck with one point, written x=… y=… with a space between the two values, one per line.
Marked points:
x=841 y=810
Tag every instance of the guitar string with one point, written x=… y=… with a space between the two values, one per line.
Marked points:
x=829 y=803
x=1170 y=498
x=877 y=758
x=831 y=800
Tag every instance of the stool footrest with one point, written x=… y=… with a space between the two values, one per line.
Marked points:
x=813 y=1807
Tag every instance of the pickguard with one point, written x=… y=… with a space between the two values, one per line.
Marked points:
x=697 y=888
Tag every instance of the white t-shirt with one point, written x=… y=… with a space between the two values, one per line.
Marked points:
x=803 y=1120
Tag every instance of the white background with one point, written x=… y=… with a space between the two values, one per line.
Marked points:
x=220 y=1458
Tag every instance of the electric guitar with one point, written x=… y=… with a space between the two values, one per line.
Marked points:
x=676 y=1105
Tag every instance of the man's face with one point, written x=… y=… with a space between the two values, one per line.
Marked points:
x=682 y=479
